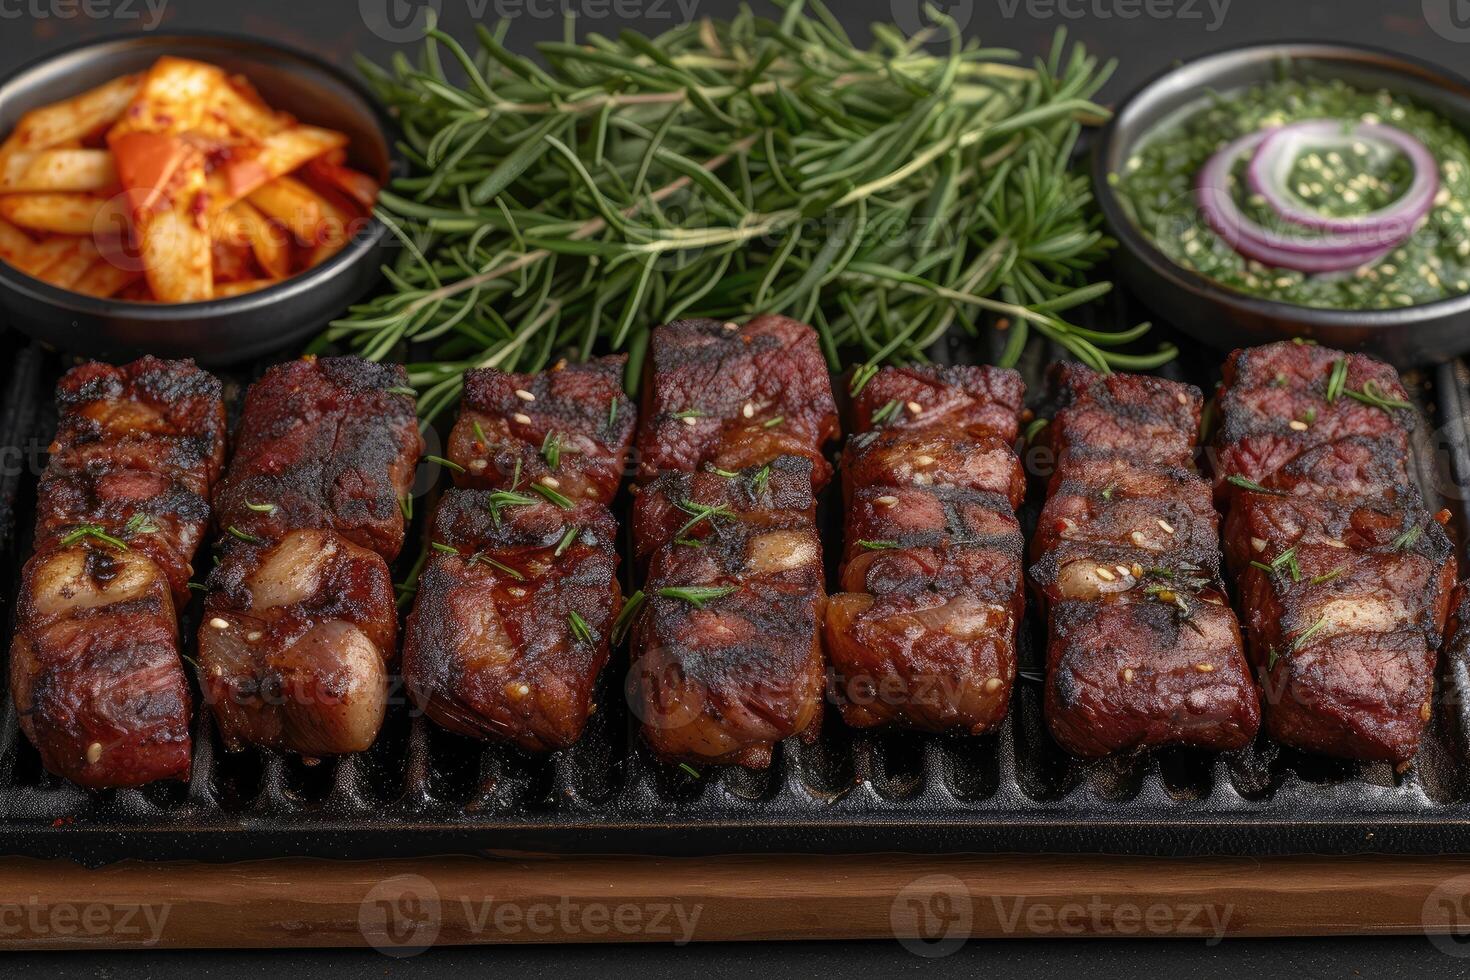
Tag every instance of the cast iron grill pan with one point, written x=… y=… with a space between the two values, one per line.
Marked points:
x=422 y=791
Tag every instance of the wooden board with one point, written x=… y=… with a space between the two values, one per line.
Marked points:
x=931 y=904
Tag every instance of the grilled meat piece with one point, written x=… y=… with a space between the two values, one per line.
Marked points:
x=716 y=393
x=1342 y=576
x=574 y=429
x=924 y=633
x=510 y=630
x=296 y=642
x=326 y=443
x=94 y=669
x=727 y=660
x=300 y=621
x=1143 y=648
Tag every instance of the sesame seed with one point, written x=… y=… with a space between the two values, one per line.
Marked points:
x=691 y=420
x=915 y=408
x=521 y=690
x=94 y=752
x=924 y=460
x=887 y=501
x=1258 y=545
x=219 y=624
x=550 y=481
x=1334 y=543
x=1121 y=570
x=522 y=418
x=1136 y=570
x=732 y=326
x=253 y=636
x=1137 y=538
x=1128 y=674
x=748 y=411
x=478 y=464
x=993 y=685
x=1106 y=574
x=516 y=592
x=1424 y=711
x=525 y=395
x=1181 y=397
x=1204 y=668
x=1165 y=526
x=1298 y=425
x=923 y=479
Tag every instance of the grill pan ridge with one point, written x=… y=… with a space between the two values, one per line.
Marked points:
x=421 y=790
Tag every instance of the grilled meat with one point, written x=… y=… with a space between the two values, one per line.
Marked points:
x=95 y=670
x=572 y=424
x=300 y=622
x=924 y=633
x=727 y=660
x=1143 y=648
x=328 y=443
x=1343 y=577
x=295 y=644
x=513 y=617
x=512 y=624
x=735 y=397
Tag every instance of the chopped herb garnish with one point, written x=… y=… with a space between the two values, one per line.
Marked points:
x=198 y=587
x=612 y=412
x=566 y=541
x=1109 y=490
x=887 y=412
x=878 y=545
x=445 y=462
x=861 y=377
x=689 y=542
x=556 y=498
x=1307 y=634
x=1374 y=397
x=626 y=615
x=403 y=390
x=480 y=434
x=1252 y=485
x=235 y=532
x=686 y=767
x=139 y=524
x=771 y=423
x=505 y=498
x=485 y=559
x=697 y=595
x=701 y=513
x=727 y=474
x=405 y=506
x=1336 y=380
x=261 y=508
x=1284 y=561
x=691 y=413
x=1326 y=576
x=761 y=480
x=579 y=626
x=515 y=475
x=444 y=548
x=1033 y=429
x=1271 y=657
x=1407 y=540
x=551 y=450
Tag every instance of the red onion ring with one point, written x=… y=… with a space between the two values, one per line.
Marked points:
x=1302 y=254
x=1273 y=159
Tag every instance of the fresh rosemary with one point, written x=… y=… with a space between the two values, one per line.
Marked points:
x=697 y=595
x=726 y=167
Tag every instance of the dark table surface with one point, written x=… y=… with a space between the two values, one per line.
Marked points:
x=1146 y=36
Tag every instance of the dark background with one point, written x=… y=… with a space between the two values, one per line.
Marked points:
x=1145 y=36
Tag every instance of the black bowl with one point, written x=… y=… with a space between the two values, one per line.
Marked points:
x=1222 y=317
x=221 y=331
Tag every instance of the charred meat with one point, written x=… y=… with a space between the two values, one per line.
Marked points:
x=735 y=396
x=1342 y=576
x=568 y=428
x=1143 y=647
x=924 y=632
x=300 y=624
x=95 y=670
x=727 y=659
x=513 y=616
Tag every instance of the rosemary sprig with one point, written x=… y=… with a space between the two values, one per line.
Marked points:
x=92 y=531
x=702 y=513
x=889 y=409
x=1286 y=561
x=878 y=545
x=494 y=502
x=1252 y=485
x=566 y=541
x=884 y=194
x=1336 y=380
x=1374 y=397
x=626 y=615
x=560 y=499
x=697 y=595
x=579 y=627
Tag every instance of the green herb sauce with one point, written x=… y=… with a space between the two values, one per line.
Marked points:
x=1156 y=187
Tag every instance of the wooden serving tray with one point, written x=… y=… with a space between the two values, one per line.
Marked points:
x=931 y=904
